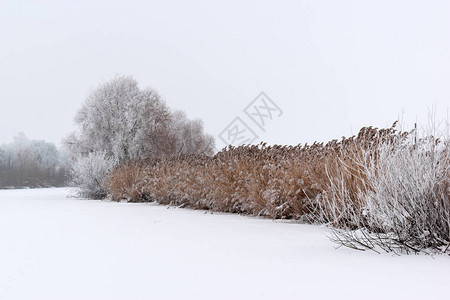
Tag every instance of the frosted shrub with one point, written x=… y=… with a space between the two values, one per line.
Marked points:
x=89 y=174
x=403 y=202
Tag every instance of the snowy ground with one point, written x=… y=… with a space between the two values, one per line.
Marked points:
x=53 y=247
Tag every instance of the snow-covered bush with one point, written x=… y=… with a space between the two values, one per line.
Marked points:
x=402 y=203
x=89 y=174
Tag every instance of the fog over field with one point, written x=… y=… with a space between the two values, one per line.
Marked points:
x=331 y=66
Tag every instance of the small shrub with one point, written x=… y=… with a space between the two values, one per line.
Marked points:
x=89 y=174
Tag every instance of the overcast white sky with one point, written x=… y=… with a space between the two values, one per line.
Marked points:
x=331 y=66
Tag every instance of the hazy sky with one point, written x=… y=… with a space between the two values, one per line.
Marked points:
x=330 y=66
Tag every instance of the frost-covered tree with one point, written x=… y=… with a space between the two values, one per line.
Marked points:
x=124 y=122
x=188 y=137
x=45 y=154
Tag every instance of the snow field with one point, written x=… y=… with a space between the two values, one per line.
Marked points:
x=54 y=247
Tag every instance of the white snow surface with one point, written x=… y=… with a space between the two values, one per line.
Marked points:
x=54 y=247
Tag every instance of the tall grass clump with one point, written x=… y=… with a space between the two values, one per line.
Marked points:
x=273 y=181
x=380 y=189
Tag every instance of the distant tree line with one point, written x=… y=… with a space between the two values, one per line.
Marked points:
x=31 y=163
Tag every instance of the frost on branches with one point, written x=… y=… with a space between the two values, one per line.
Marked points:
x=402 y=203
x=89 y=173
x=120 y=122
